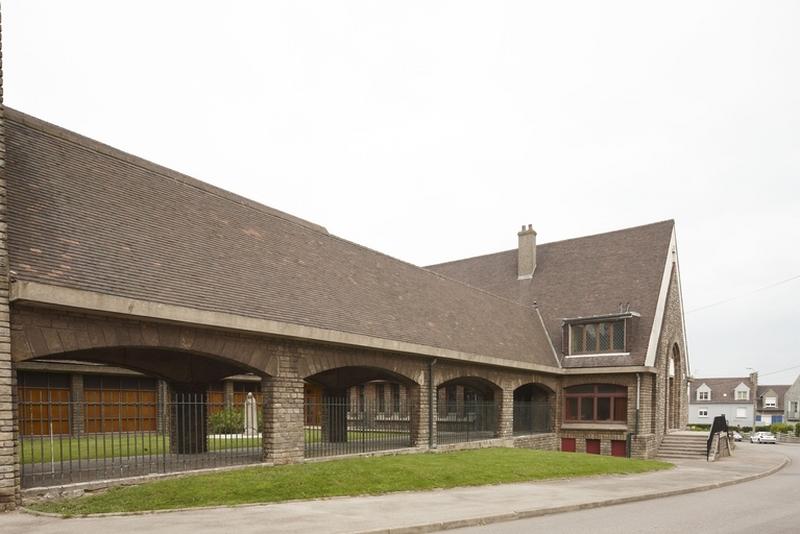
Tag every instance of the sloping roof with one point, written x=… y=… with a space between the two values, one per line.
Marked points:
x=581 y=277
x=723 y=390
x=780 y=393
x=83 y=215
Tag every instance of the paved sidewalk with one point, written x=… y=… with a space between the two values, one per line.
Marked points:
x=426 y=511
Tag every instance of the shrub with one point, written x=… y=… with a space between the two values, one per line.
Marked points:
x=780 y=428
x=747 y=428
x=698 y=428
x=797 y=430
x=228 y=421
x=762 y=428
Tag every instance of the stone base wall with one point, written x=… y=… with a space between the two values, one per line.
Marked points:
x=644 y=446
x=542 y=442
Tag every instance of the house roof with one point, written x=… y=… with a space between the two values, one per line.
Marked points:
x=780 y=393
x=582 y=277
x=723 y=390
x=83 y=215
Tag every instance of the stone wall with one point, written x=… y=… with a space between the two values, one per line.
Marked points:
x=9 y=453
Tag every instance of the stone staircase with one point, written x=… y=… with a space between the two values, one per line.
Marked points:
x=683 y=445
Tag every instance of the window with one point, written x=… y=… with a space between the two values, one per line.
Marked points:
x=770 y=402
x=795 y=407
x=741 y=413
x=380 y=392
x=742 y=394
x=703 y=395
x=703 y=412
x=600 y=403
x=597 y=337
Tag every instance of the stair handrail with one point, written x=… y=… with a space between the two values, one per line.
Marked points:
x=720 y=424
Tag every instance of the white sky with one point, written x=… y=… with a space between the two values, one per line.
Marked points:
x=432 y=130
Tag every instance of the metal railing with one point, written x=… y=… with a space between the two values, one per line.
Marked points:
x=532 y=417
x=336 y=427
x=468 y=421
x=67 y=441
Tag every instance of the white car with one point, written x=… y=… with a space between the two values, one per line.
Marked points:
x=737 y=436
x=763 y=437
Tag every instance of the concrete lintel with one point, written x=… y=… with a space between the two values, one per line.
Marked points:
x=91 y=301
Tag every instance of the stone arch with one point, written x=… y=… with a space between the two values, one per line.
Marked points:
x=175 y=352
x=533 y=408
x=324 y=359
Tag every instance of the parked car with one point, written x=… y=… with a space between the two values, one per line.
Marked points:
x=763 y=437
x=737 y=436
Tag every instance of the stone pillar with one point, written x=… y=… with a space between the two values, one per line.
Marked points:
x=418 y=408
x=227 y=393
x=334 y=415
x=162 y=406
x=9 y=429
x=189 y=419
x=77 y=404
x=504 y=400
x=283 y=436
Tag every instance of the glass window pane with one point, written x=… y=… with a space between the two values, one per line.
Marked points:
x=577 y=339
x=572 y=409
x=591 y=338
x=604 y=408
x=609 y=388
x=589 y=388
x=604 y=336
x=621 y=409
x=587 y=409
x=619 y=335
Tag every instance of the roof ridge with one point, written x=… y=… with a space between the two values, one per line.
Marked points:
x=549 y=243
x=87 y=143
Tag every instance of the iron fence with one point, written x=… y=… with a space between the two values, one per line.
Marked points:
x=532 y=417
x=468 y=421
x=119 y=435
x=335 y=427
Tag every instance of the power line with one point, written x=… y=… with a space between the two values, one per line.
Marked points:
x=742 y=295
x=780 y=371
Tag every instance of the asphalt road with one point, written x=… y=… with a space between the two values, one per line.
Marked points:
x=765 y=506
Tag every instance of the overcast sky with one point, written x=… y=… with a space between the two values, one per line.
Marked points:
x=432 y=130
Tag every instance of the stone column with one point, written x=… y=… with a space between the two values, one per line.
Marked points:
x=504 y=400
x=334 y=417
x=9 y=429
x=77 y=403
x=283 y=434
x=417 y=406
x=189 y=419
x=227 y=393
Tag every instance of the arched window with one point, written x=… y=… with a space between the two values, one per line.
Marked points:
x=596 y=403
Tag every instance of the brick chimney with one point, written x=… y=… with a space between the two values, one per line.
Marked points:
x=526 y=253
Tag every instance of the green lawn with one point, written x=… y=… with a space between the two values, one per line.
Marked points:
x=357 y=476
x=113 y=446
x=119 y=445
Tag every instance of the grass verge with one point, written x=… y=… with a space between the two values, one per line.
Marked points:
x=357 y=476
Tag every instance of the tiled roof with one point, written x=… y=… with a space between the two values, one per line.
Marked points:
x=780 y=392
x=581 y=277
x=83 y=215
x=722 y=390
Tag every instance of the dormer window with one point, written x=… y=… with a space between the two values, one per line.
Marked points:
x=742 y=395
x=605 y=336
x=770 y=402
x=704 y=395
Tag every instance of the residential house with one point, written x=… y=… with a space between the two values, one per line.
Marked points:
x=770 y=404
x=732 y=397
x=791 y=402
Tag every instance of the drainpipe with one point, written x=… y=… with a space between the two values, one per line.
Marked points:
x=638 y=397
x=636 y=425
x=430 y=403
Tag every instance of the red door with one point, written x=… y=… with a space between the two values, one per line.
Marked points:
x=568 y=444
x=619 y=448
x=593 y=446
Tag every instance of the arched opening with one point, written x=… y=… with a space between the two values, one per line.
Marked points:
x=356 y=409
x=128 y=411
x=533 y=409
x=467 y=410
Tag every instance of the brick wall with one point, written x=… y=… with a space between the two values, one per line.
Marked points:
x=9 y=445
